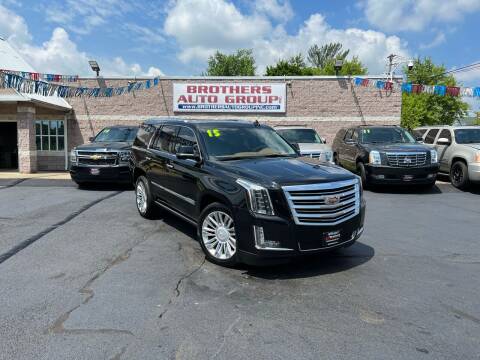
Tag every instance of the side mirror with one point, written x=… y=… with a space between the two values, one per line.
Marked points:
x=91 y=138
x=443 y=141
x=323 y=140
x=296 y=146
x=419 y=139
x=186 y=152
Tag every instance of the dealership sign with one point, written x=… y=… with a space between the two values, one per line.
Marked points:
x=229 y=97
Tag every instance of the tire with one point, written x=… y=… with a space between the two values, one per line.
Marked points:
x=144 y=199
x=83 y=185
x=459 y=175
x=217 y=235
x=363 y=174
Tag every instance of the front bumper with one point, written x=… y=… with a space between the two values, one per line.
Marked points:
x=106 y=174
x=474 y=172
x=294 y=240
x=401 y=175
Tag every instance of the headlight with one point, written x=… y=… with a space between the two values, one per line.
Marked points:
x=374 y=158
x=73 y=157
x=477 y=157
x=329 y=156
x=258 y=196
x=124 y=156
x=433 y=156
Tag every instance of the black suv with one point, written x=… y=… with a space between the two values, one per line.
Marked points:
x=105 y=158
x=251 y=196
x=385 y=155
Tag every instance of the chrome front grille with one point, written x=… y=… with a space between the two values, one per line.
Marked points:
x=324 y=204
x=407 y=159
x=96 y=158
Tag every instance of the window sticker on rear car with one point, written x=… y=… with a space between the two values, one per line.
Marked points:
x=366 y=131
x=106 y=131
x=213 y=133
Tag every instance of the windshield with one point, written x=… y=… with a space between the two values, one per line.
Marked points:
x=230 y=143
x=116 y=135
x=298 y=136
x=467 y=136
x=385 y=135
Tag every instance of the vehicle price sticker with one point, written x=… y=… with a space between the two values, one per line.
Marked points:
x=213 y=133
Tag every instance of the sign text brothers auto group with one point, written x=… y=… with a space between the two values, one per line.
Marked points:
x=229 y=97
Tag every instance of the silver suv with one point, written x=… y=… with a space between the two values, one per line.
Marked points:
x=458 y=149
x=308 y=141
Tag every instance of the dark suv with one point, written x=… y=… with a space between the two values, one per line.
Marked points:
x=105 y=158
x=249 y=193
x=385 y=155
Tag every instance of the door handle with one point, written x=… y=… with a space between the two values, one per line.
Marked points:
x=170 y=166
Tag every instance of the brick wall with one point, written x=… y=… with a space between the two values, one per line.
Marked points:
x=326 y=104
x=51 y=160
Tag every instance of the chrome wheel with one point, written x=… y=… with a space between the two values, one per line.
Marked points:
x=141 y=197
x=218 y=235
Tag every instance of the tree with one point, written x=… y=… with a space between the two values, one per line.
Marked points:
x=430 y=109
x=294 y=66
x=349 y=68
x=242 y=63
x=320 y=56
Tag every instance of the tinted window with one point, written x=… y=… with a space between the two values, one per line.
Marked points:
x=299 y=136
x=430 y=138
x=144 y=135
x=467 y=136
x=236 y=142
x=165 y=140
x=446 y=134
x=419 y=133
x=116 y=135
x=378 y=135
x=185 y=137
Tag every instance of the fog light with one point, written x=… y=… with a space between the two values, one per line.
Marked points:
x=261 y=242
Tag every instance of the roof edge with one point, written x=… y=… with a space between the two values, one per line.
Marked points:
x=329 y=77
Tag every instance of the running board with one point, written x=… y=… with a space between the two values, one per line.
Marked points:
x=175 y=212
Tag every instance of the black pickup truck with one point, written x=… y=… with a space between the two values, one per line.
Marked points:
x=252 y=197
x=385 y=155
x=105 y=158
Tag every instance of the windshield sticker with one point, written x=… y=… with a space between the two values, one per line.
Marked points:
x=213 y=133
x=366 y=131
x=106 y=131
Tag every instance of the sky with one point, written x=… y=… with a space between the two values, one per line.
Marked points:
x=176 y=37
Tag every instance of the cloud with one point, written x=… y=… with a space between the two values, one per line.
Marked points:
x=415 y=15
x=13 y=27
x=439 y=39
x=60 y=54
x=201 y=27
x=275 y=9
x=144 y=34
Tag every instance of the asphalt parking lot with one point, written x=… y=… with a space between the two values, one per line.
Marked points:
x=83 y=276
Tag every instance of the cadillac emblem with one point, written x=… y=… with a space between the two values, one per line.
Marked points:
x=332 y=200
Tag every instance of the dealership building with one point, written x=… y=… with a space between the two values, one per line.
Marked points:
x=37 y=132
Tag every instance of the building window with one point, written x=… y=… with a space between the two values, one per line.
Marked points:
x=50 y=135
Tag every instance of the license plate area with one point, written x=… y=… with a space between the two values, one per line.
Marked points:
x=408 y=177
x=332 y=237
x=94 y=171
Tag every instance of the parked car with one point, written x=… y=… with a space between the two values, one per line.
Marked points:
x=308 y=142
x=252 y=197
x=385 y=155
x=458 y=150
x=105 y=158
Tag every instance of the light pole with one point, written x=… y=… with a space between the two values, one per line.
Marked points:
x=394 y=61
x=94 y=66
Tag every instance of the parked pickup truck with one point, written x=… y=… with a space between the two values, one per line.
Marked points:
x=250 y=194
x=385 y=155
x=105 y=158
x=458 y=150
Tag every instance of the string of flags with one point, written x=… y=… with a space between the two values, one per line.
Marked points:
x=29 y=86
x=410 y=88
x=33 y=83
x=44 y=77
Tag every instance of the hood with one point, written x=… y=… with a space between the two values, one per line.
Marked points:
x=474 y=146
x=397 y=147
x=105 y=146
x=284 y=171
x=314 y=147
